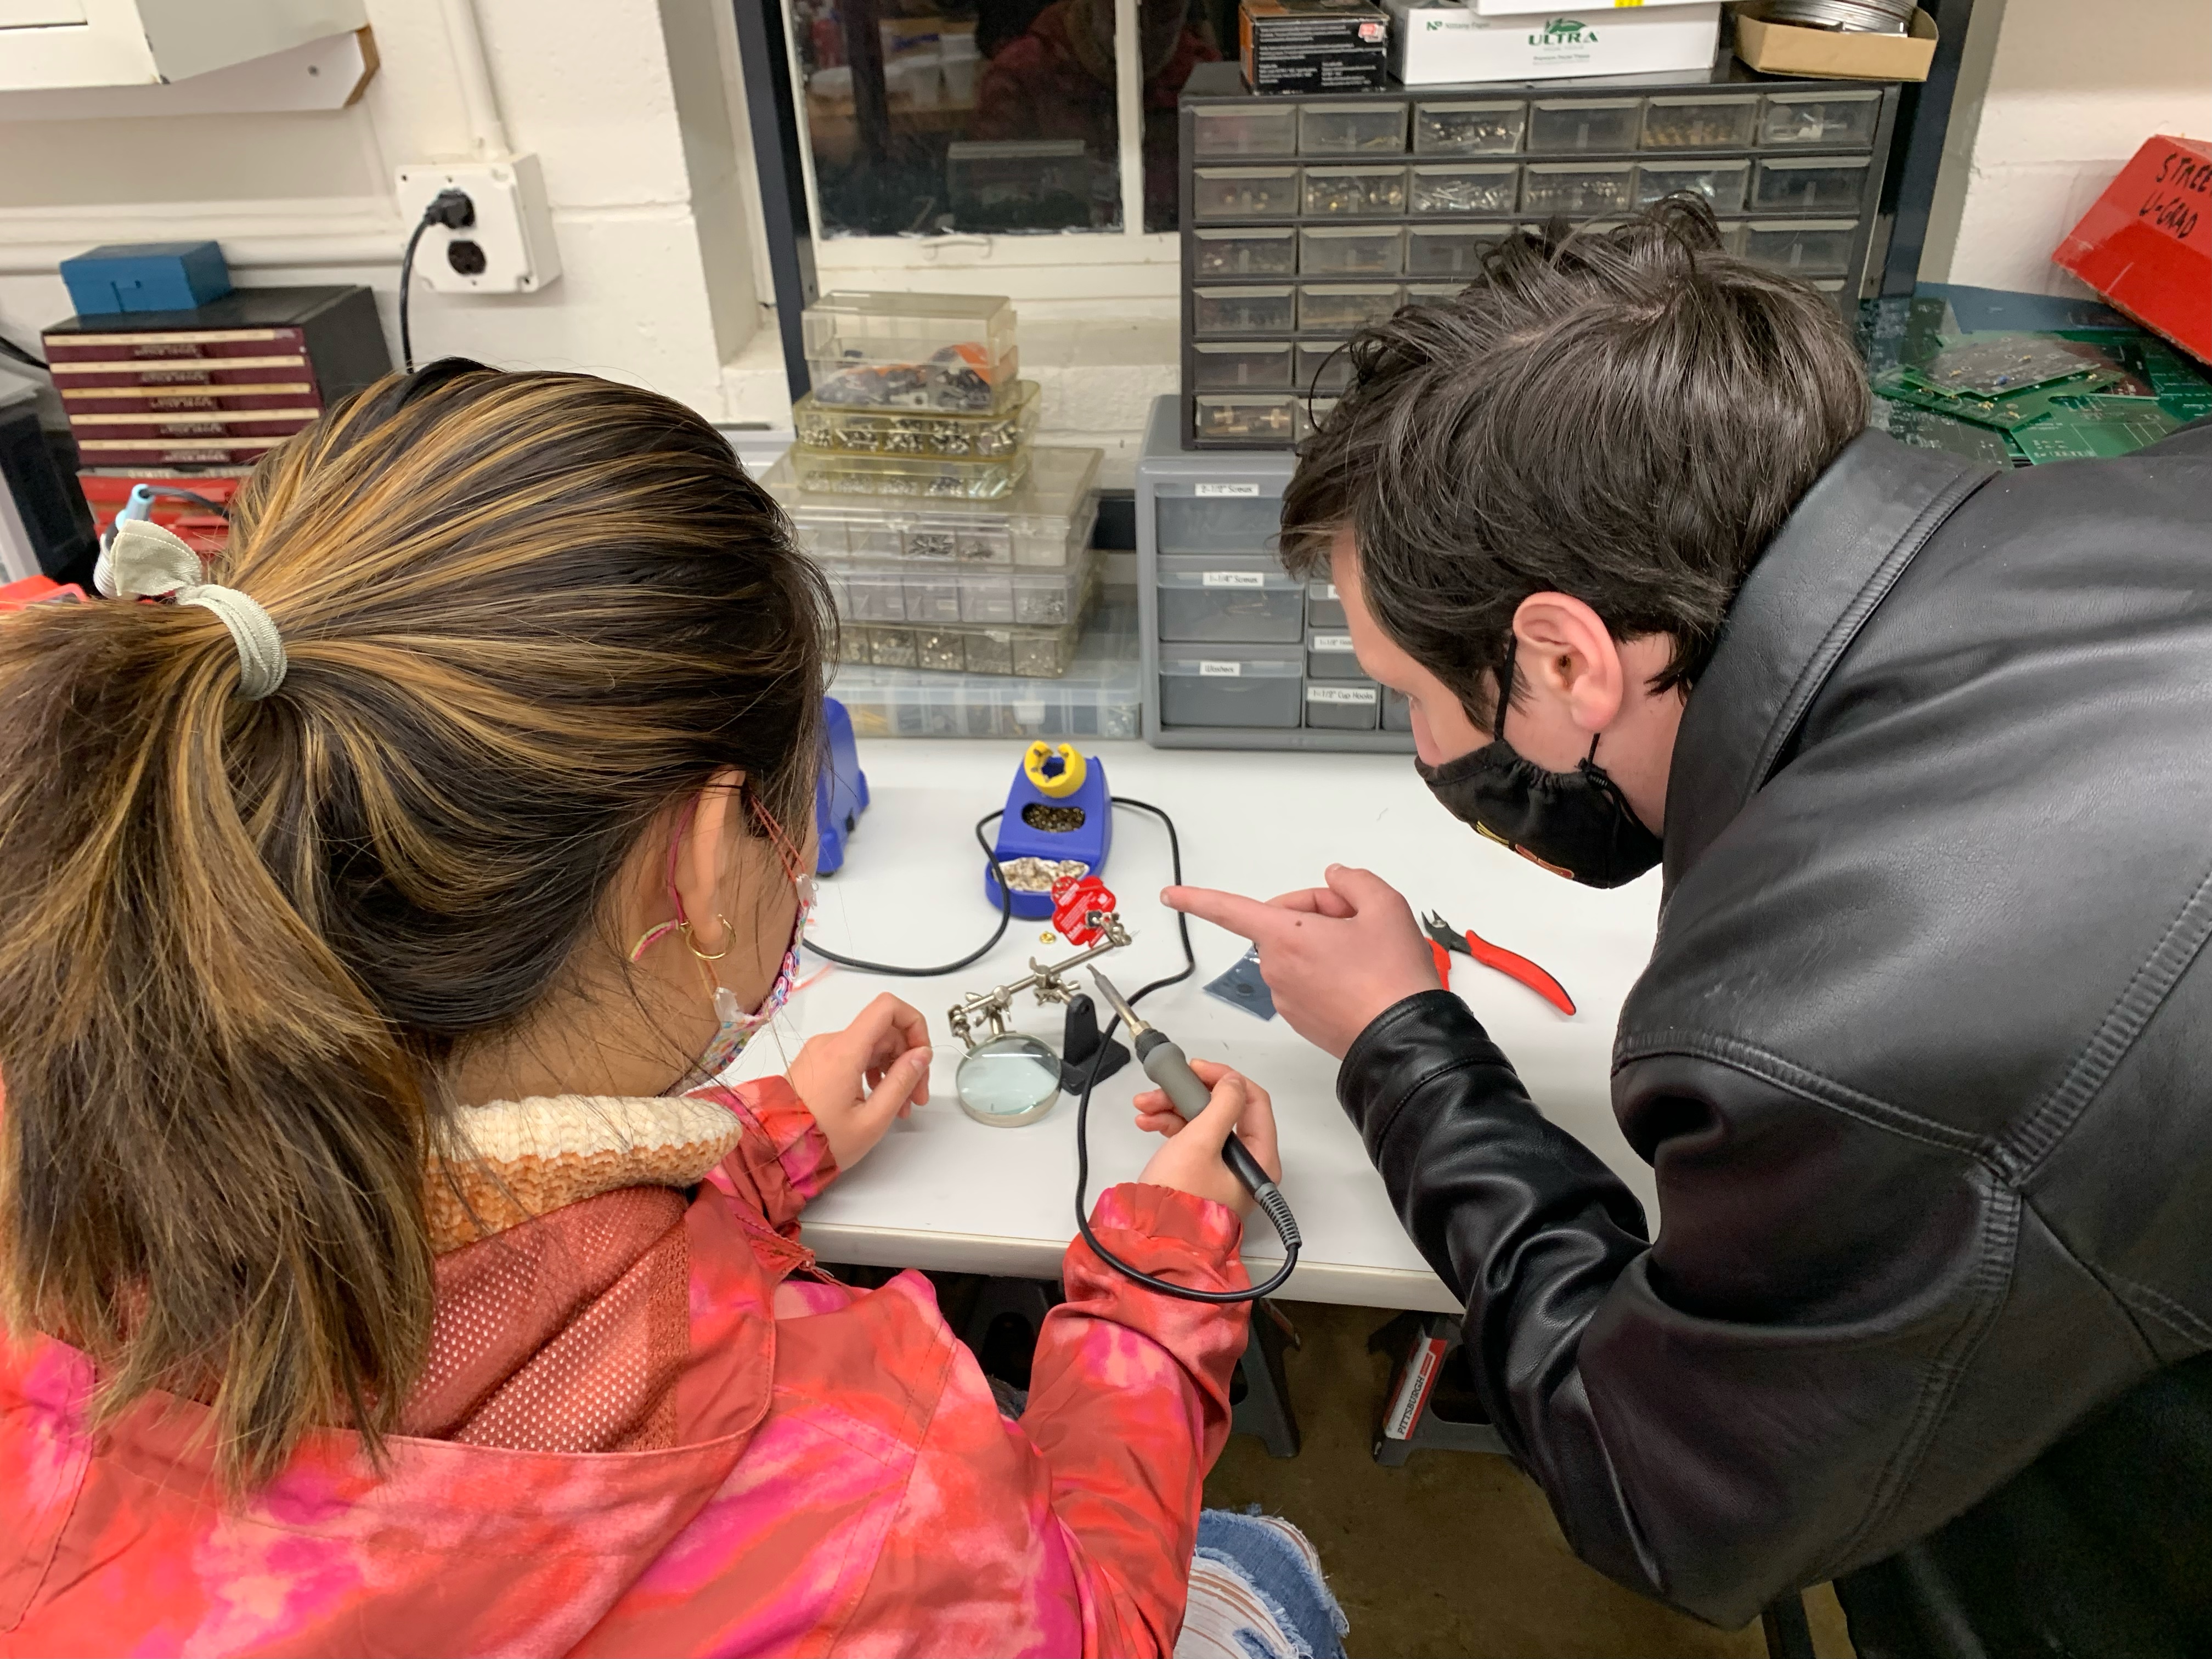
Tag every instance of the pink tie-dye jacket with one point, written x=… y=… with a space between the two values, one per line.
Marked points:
x=838 y=1480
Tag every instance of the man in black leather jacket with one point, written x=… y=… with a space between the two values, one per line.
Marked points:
x=1923 y=1058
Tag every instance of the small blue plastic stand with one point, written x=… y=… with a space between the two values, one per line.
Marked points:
x=1021 y=837
x=841 y=789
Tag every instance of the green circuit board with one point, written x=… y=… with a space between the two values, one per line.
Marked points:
x=2007 y=414
x=2086 y=428
x=2023 y=396
x=1923 y=429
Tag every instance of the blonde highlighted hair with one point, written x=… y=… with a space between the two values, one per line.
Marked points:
x=241 y=943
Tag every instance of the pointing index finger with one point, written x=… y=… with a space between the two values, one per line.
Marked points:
x=1249 y=917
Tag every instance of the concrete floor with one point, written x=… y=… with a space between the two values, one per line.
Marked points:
x=1454 y=1553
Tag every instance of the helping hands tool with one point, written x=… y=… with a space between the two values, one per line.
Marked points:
x=1445 y=940
x=1085 y=914
x=1166 y=1064
x=1007 y=1078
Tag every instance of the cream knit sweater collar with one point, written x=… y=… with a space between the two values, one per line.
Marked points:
x=521 y=1158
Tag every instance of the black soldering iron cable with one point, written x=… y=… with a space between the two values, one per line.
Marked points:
x=1006 y=915
x=1165 y=1287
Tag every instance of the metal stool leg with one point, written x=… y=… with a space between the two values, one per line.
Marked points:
x=1789 y=1636
x=1424 y=1342
x=1265 y=1410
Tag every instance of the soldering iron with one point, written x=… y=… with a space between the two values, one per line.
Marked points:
x=1164 y=1063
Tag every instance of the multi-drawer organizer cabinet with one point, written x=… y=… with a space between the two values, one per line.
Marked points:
x=1237 y=653
x=215 y=387
x=1304 y=217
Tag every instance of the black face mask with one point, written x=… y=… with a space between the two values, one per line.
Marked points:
x=1576 y=825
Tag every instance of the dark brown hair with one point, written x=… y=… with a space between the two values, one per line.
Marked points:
x=241 y=943
x=1625 y=416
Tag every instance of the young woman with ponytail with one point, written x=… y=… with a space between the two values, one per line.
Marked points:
x=383 y=1269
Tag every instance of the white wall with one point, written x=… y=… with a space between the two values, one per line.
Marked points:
x=658 y=283
x=2075 y=87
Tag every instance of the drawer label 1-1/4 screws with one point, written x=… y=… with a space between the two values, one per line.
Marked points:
x=1233 y=578
x=1227 y=671
x=1360 y=695
x=1330 y=642
x=1206 y=490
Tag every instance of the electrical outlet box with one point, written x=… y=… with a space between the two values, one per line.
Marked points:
x=509 y=248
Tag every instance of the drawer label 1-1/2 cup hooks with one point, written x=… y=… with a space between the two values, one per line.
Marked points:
x=1225 y=671
x=1205 y=491
x=1233 y=578
x=1357 y=696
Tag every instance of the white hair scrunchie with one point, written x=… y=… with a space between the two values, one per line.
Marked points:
x=146 y=561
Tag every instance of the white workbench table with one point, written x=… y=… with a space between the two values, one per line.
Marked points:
x=942 y=1191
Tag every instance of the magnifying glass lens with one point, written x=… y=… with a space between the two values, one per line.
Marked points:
x=1008 y=1080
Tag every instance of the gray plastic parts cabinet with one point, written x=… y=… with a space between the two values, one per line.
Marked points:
x=1238 y=654
x=1305 y=216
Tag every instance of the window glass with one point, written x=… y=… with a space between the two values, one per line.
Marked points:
x=991 y=117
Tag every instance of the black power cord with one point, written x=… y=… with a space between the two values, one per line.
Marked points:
x=449 y=208
x=28 y=359
x=1006 y=915
x=176 y=493
x=1286 y=1227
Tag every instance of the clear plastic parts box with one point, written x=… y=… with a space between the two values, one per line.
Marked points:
x=991 y=435
x=874 y=591
x=961 y=648
x=841 y=472
x=1045 y=523
x=944 y=351
x=1099 y=695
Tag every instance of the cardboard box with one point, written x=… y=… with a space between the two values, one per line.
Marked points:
x=1313 y=46
x=1833 y=55
x=1438 y=45
x=2147 y=243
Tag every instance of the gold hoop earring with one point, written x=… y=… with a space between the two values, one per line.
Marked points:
x=729 y=937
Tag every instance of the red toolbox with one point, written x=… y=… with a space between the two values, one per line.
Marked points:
x=2147 y=245
x=192 y=505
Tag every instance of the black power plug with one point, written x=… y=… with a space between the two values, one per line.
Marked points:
x=454 y=210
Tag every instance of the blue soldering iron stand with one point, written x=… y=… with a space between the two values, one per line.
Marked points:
x=1059 y=809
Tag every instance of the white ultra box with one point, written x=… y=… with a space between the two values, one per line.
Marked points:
x=1440 y=45
x=1521 y=7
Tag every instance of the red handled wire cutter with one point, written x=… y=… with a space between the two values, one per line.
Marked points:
x=1445 y=940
